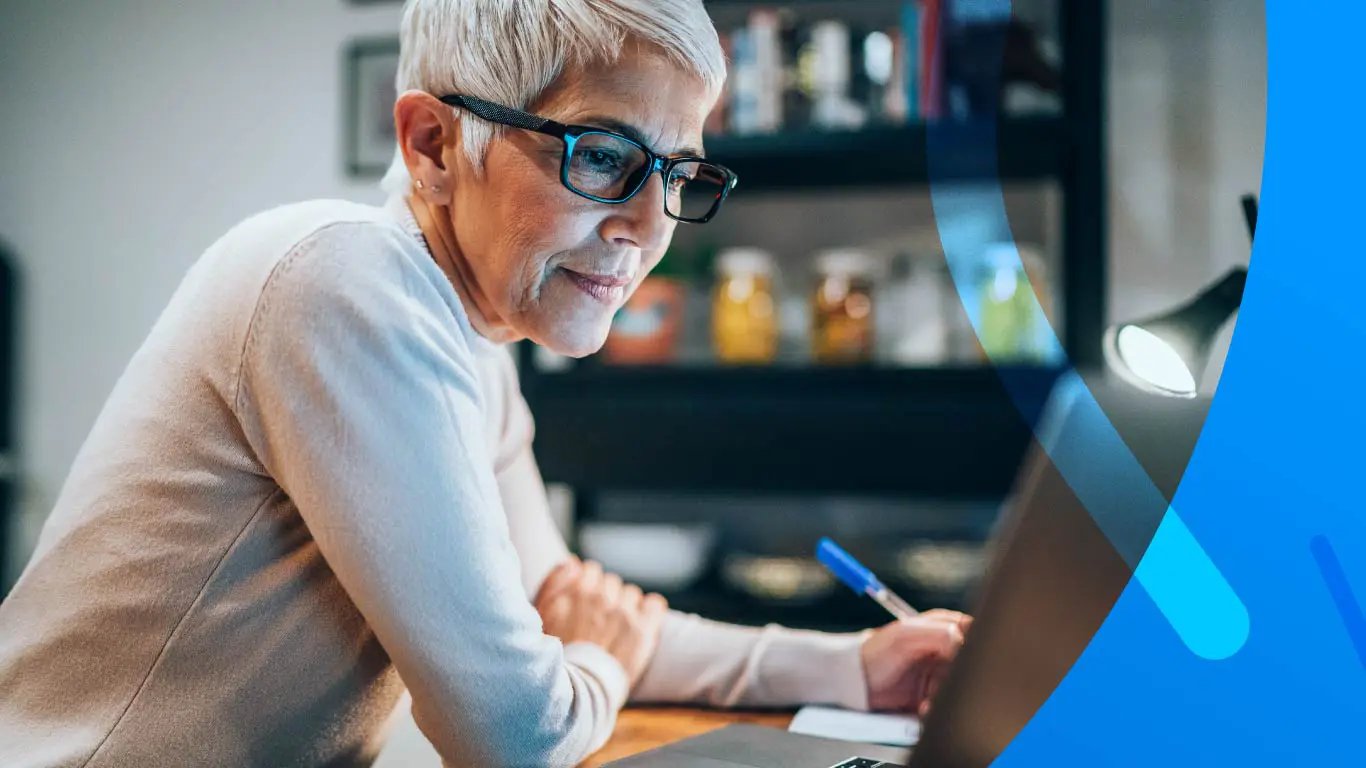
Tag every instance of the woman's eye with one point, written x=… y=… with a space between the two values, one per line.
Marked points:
x=600 y=160
x=677 y=181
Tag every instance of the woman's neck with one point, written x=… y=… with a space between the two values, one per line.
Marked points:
x=435 y=222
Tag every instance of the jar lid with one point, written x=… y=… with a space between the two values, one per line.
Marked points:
x=744 y=261
x=849 y=262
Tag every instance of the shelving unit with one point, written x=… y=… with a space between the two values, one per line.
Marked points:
x=948 y=432
x=1028 y=150
x=783 y=429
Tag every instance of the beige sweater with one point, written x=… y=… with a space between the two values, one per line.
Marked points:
x=313 y=487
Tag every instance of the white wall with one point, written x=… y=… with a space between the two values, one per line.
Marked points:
x=1187 y=108
x=136 y=132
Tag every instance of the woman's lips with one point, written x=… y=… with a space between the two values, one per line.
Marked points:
x=608 y=289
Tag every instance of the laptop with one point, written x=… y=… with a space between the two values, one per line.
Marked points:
x=1052 y=578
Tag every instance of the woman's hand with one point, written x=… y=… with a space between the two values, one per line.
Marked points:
x=580 y=603
x=905 y=661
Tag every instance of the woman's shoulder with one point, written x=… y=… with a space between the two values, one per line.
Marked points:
x=315 y=256
x=336 y=246
x=339 y=273
x=345 y=241
x=341 y=223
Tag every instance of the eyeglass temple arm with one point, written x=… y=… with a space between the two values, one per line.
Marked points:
x=505 y=115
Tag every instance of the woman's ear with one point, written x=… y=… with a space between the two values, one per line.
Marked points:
x=427 y=130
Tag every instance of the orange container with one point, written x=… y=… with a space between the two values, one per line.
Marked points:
x=646 y=329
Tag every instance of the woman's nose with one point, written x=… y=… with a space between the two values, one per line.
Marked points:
x=640 y=221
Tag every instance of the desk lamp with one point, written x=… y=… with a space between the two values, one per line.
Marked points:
x=1166 y=353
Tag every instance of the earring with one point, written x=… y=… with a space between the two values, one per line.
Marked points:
x=420 y=185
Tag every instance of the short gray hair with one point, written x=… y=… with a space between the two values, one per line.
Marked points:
x=511 y=51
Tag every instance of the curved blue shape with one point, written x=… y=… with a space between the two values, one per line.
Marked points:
x=1194 y=596
x=1335 y=579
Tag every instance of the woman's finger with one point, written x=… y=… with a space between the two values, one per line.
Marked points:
x=612 y=588
x=555 y=609
x=943 y=614
x=655 y=603
x=631 y=597
x=561 y=579
x=938 y=638
x=590 y=578
x=963 y=620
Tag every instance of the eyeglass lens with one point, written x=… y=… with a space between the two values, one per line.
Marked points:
x=610 y=167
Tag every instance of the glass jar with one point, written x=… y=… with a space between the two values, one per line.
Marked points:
x=1014 y=325
x=744 y=320
x=842 y=308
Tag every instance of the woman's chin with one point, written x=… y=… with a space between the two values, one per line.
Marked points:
x=576 y=342
x=569 y=322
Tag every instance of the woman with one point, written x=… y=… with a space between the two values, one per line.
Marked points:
x=313 y=486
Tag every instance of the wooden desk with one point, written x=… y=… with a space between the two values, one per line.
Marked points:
x=643 y=728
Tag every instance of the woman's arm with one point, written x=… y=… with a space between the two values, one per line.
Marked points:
x=697 y=661
x=358 y=393
x=724 y=665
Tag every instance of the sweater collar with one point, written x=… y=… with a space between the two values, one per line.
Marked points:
x=397 y=206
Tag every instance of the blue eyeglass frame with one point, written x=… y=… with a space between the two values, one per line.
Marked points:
x=570 y=135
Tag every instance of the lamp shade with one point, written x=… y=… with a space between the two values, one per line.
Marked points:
x=1168 y=353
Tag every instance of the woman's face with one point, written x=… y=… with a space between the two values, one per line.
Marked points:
x=552 y=265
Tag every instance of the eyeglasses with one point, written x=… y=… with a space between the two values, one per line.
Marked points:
x=610 y=168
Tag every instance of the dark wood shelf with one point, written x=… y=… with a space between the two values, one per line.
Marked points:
x=1026 y=150
x=949 y=432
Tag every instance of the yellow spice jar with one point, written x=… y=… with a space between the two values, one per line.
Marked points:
x=744 y=317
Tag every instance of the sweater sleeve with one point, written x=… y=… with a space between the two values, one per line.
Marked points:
x=698 y=661
x=724 y=665
x=357 y=392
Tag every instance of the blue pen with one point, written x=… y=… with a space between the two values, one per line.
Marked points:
x=860 y=579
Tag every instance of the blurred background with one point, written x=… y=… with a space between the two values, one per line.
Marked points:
x=803 y=366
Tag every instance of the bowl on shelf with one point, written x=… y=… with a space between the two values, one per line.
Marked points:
x=778 y=579
x=941 y=567
x=655 y=556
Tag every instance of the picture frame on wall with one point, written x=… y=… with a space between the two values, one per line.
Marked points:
x=371 y=66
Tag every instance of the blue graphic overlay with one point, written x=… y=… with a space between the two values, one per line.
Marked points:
x=1275 y=476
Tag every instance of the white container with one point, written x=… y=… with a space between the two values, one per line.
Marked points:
x=913 y=307
x=765 y=32
x=830 y=78
x=659 y=557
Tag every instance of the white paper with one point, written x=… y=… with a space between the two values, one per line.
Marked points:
x=874 y=728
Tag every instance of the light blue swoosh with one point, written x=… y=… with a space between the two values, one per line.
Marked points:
x=1191 y=592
